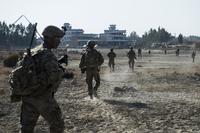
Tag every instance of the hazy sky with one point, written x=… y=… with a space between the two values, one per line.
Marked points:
x=94 y=16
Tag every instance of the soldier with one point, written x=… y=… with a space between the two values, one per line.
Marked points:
x=149 y=52
x=132 y=56
x=165 y=51
x=111 y=55
x=193 y=55
x=41 y=101
x=177 y=52
x=90 y=62
x=139 y=52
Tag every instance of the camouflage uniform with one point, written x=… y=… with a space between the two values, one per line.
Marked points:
x=111 y=63
x=149 y=52
x=132 y=56
x=193 y=55
x=177 y=52
x=139 y=52
x=165 y=51
x=42 y=102
x=90 y=62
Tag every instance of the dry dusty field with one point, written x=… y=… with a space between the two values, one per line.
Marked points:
x=162 y=95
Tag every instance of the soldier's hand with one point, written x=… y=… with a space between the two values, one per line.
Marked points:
x=83 y=70
x=62 y=68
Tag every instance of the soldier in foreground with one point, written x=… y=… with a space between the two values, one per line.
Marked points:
x=90 y=62
x=39 y=100
x=131 y=56
x=111 y=63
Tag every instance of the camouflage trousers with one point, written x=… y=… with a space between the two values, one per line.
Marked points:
x=92 y=73
x=48 y=108
x=131 y=63
x=111 y=64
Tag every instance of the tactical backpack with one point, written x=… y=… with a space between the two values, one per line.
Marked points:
x=23 y=79
x=93 y=58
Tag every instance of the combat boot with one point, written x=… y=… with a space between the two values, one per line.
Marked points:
x=95 y=94
x=91 y=97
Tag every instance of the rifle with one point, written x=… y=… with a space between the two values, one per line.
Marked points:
x=33 y=35
x=67 y=74
x=63 y=59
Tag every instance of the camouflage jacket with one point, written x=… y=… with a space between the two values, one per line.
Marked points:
x=131 y=54
x=91 y=59
x=111 y=55
x=48 y=70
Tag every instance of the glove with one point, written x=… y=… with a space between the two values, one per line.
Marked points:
x=62 y=68
x=83 y=70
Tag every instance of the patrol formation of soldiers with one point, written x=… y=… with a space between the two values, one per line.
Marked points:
x=43 y=102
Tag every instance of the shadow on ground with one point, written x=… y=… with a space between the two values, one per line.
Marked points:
x=129 y=105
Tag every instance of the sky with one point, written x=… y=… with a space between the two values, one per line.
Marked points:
x=95 y=16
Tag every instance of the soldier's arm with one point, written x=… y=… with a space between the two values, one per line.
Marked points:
x=82 y=62
x=128 y=54
x=101 y=59
x=54 y=73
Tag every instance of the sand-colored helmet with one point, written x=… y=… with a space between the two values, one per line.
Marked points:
x=53 y=31
x=91 y=44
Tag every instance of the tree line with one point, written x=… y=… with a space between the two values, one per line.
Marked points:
x=19 y=36
x=159 y=35
x=15 y=36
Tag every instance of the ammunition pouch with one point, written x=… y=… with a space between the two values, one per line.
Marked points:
x=15 y=98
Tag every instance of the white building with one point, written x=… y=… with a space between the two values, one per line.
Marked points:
x=76 y=37
x=113 y=37
x=110 y=38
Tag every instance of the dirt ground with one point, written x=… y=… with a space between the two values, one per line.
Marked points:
x=161 y=95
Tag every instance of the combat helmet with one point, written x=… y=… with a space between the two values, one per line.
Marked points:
x=53 y=31
x=91 y=44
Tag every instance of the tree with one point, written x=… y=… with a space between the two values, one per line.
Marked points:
x=133 y=35
x=15 y=35
x=135 y=39
x=180 y=38
x=156 y=36
x=164 y=36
